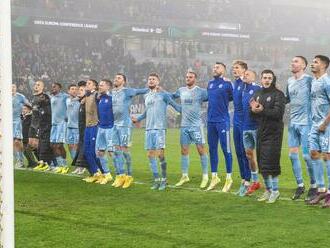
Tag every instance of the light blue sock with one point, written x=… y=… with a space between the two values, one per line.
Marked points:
x=204 y=160
x=120 y=161
x=128 y=160
x=310 y=167
x=16 y=155
x=268 y=182
x=154 y=167
x=104 y=163
x=59 y=161
x=296 y=167
x=274 y=183
x=319 y=174
x=73 y=153
x=185 y=164
x=163 y=166
x=54 y=163
x=328 y=172
x=63 y=161
x=19 y=156
x=254 y=176
x=115 y=163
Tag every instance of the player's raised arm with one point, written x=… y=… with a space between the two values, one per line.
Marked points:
x=140 y=117
x=171 y=102
x=175 y=94
x=135 y=92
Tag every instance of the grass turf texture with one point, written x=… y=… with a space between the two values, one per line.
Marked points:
x=61 y=211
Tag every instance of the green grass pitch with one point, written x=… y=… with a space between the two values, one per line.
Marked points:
x=63 y=211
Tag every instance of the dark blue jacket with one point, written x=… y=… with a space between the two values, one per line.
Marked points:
x=238 y=86
x=249 y=123
x=105 y=111
x=220 y=92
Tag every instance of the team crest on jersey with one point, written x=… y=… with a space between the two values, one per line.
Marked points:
x=239 y=88
x=211 y=86
x=251 y=92
x=106 y=100
x=268 y=99
x=220 y=86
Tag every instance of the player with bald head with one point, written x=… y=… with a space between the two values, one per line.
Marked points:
x=191 y=132
x=249 y=128
x=39 y=132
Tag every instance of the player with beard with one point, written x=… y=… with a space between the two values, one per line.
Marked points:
x=220 y=93
x=156 y=103
x=298 y=94
x=59 y=124
x=121 y=102
x=191 y=132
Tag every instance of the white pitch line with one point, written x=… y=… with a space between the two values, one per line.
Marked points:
x=144 y=183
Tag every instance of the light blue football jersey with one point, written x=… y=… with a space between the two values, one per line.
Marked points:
x=156 y=109
x=58 y=104
x=72 y=106
x=191 y=103
x=320 y=97
x=121 y=102
x=18 y=101
x=299 y=95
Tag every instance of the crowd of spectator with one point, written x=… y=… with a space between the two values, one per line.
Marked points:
x=69 y=60
x=247 y=16
x=52 y=59
x=55 y=59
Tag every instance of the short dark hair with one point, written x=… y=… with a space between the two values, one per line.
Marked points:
x=154 y=74
x=303 y=59
x=267 y=71
x=82 y=83
x=58 y=84
x=108 y=82
x=94 y=82
x=28 y=106
x=192 y=72
x=241 y=63
x=72 y=85
x=220 y=63
x=324 y=59
x=121 y=74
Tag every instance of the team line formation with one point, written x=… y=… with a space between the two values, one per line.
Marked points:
x=94 y=120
